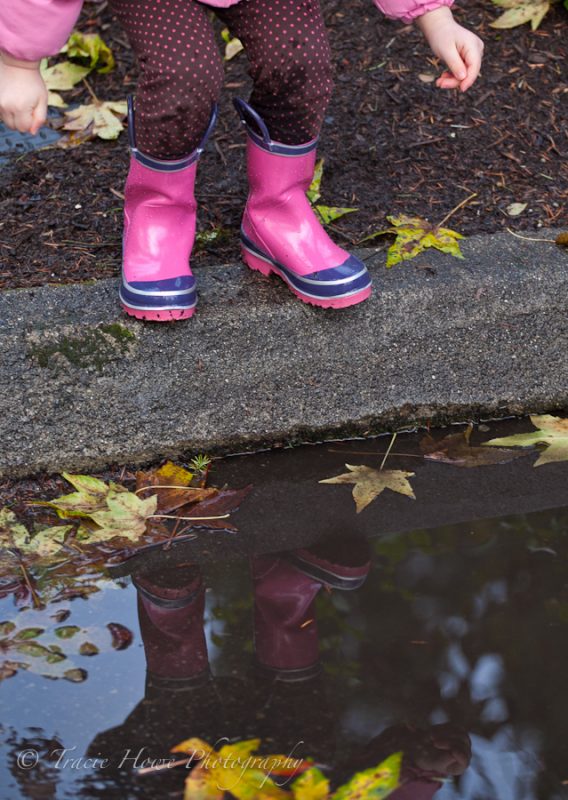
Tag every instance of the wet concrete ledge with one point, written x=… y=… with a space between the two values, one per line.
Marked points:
x=82 y=386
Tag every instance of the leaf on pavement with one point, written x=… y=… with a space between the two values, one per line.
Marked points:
x=98 y=118
x=455 y=449
x=376 y=783
x=414 y=235
x=370 y=483
x=552 y=431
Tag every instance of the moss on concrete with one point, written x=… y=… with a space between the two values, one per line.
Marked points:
x=93 y=348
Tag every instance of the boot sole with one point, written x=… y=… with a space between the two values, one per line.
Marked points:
x=163 y=315
x=266 y=266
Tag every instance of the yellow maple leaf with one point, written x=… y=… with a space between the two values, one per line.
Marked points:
x=552 y=431
x=370 y=483
x=520 y=11
x=98 y=118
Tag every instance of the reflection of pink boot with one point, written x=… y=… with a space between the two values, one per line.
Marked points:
x=285 y=588
x=285 y=628
x=171 y=624
x=159 y=231
x=280 y=232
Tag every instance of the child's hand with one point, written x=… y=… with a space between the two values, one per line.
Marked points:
x=23 y=96
x=461 y=49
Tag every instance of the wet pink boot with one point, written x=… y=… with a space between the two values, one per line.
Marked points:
x=159 y=231
x=280 y=232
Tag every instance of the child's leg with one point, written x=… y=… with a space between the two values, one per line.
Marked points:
x=287 y=47
x=181 y=73
x=290 y=63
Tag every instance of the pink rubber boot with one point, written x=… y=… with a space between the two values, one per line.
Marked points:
x=280 y=232
x=159 y=231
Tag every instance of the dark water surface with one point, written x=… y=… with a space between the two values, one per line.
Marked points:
x=444 y=635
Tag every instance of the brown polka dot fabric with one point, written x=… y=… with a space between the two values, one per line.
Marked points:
x=182 y=69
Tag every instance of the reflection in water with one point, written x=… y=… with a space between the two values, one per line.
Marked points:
x=356 y=652
x=283 y=700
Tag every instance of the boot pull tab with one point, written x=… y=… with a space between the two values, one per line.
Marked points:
x=252 y=120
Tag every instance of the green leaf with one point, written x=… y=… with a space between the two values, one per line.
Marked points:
x=32 y=649
x=28 y=633
x=88 y=649
x=552 y=431
x=520 y=11
x=313 y=194
x=12 y=533
x=67 y=631
x=233 y=46
x=327 y=214
x=6 y=628
x=126 y=516
x=372 y=784
x=48 y=543
x=89 y=50
x=414 y=235
x=312 y=785
x=63 y=76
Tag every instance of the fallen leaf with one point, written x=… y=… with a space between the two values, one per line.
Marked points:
x=166 y=479
x=520 y=11
x=89 y=50
x=61 y=77
x=313 y=193
x=327 y=214
x=121 y=636
x=373 y=784
x=75 y=675
x=224 y=502
x=99 y=118
x=455 y=449
x=515 y=209
x=370 y=483
x=312 y=785
x=233 y=46
x=552 y=431
x=88 y=649
x=125 y=517
x=562 y=239
x=414 y=235
x=67 y=631
x=426 y=77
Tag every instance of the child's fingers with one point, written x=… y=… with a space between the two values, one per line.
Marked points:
x=472 y=58
x=454 y=63
x=447 y=81
x=39 y=116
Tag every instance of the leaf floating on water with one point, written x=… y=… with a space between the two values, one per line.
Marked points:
x=67 y=631
x=125 y=517
x=373 y=784
x=414 y=235
x=312 y=785
x=88 y=649
x=224 y=502
x=121 y=636
x=28 y=633
x=165 y=482
x=552 y=431
x=6 y=628
x=370 y=483
x=455 y=449
x=75 y=675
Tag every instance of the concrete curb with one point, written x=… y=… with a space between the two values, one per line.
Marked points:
x=441 y=340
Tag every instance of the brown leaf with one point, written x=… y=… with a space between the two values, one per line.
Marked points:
x=562 y=239
x=370 y=483
x=456 y=450
x=225 y=502
x=171 y=475
x=121 y=636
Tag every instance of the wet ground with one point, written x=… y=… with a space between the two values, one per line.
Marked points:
x=436 y=627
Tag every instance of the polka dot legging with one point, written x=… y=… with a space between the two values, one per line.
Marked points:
x=182 y=69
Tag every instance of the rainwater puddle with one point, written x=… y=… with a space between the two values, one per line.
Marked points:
x=436 y=627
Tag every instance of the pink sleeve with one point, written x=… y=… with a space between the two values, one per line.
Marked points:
x=407 y=10
x=32 y=29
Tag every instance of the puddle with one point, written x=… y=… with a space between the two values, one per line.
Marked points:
x=443 y=636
